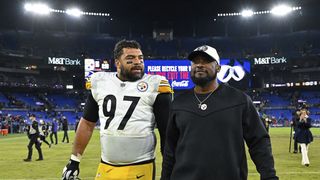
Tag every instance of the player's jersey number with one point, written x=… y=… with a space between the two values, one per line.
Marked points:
x=111 y=111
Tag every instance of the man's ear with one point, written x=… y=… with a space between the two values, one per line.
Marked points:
x=218 y=67
x=117 y=62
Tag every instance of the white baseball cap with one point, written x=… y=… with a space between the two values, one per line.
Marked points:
x=207 y=51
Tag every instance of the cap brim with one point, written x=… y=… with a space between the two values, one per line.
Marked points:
x=194 y=54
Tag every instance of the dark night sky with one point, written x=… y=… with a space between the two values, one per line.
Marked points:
x=141 y=16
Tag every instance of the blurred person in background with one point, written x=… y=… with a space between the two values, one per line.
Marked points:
x=34 y=138
x=54 y=130
x=65 y=129
x=267 y=122
x=43 y=132
x=294 y=124
x=304 y=136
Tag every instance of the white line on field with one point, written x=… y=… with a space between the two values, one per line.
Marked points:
x=12 y=138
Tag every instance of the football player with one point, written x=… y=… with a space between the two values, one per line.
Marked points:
x=43 y=132
x=129 y=104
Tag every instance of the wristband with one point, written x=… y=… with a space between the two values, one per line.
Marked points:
x=75 y=158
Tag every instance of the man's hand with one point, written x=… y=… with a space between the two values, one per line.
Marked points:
x=71 y=171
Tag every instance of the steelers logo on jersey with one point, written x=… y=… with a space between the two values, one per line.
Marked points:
x=142 y=86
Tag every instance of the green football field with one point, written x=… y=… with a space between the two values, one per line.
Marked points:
x=13 y=149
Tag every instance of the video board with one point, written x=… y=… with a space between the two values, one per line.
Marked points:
x=94 y=65
x=234 y=72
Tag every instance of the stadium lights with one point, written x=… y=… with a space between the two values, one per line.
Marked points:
x=74 y=12
x=247 y=13
x=38 y=8
x=280 y=10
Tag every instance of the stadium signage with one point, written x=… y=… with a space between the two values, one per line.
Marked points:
x=180 y=84
x=64 y=61
x=176 y=71
x=269 y=60
x=227 y=72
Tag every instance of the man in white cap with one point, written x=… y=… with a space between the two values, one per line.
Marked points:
x=208 y=126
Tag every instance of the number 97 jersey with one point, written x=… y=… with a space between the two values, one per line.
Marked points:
x=126 y=116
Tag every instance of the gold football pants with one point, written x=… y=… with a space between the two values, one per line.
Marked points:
x=130 y=172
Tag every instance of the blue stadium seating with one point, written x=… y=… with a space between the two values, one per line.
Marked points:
x=46 y=43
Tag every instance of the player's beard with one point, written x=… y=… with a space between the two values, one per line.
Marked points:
x=129 y=75
x=203 y=81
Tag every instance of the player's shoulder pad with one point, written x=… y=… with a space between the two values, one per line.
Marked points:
x=100 y=76
x=162 y=83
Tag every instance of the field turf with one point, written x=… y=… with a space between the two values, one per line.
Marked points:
x=13 y=149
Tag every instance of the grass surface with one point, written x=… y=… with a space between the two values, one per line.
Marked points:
x=13 y=149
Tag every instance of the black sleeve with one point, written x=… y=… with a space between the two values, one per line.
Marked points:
x=28 y=130
x=170 y=148
x=161 y=108
x=304 y=125
x=91 y=109
x=258 y=141
x=309 y=125
x=35 y=126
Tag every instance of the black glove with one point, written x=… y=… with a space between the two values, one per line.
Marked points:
x=71 y=171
